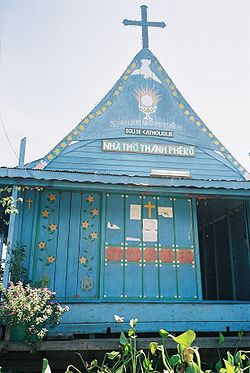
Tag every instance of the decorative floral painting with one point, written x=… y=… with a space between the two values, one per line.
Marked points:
x=67 y=248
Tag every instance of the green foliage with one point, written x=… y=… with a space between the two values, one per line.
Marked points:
x=236 y=363
x=8 y=202
x=186 y=360
x=123 y=340
x=221 y=338
x=130 y=359
x=163 y=333
x=153 y=347
x=9 y=205
x=46 y=367
x=31 y=307
x=17 y=256
x=185 y=339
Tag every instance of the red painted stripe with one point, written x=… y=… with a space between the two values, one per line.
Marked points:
x=133 y=254
x=114 y=254
x=185 y=256
x=167 y=255
x=149 y=255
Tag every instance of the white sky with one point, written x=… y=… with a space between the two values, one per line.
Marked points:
x=60 y=57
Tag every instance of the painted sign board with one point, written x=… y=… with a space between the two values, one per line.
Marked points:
x=148 y=148
x=148 y=132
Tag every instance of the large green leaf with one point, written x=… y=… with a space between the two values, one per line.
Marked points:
x=174 y=360
x=146 y=364
x=113 y=354
x=238 y=358
x=163 y=333
x=123 y=339
x=218 y=365
x=153 y=347
x=221 y=338
x=180 y=349
x=229 y=367
x=196 y=368
x=230 y=358
x=193 y=368
x=46 y=367
x=185 y=339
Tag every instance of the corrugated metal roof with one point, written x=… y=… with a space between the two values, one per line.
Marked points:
x=85 y=177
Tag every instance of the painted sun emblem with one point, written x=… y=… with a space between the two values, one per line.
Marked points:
x=148 y=99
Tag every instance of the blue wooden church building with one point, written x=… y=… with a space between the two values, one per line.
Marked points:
x=142 y=212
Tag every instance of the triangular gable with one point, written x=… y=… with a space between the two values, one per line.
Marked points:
x=144 y=97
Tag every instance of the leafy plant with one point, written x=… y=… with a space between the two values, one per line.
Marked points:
x=8 y=204
x=17 y=256
x=130 y=359
x=32 y=307
x=8 y=201
x=184 y=361
x=45 y=367
x=156 y=359
x=234 y=363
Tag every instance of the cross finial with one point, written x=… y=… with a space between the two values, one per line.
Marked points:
x=144 y=25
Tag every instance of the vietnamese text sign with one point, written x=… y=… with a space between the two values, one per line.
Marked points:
x=148 y=148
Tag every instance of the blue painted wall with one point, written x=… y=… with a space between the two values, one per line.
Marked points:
x=90 y=247
x=88 y=156
x=81 y=241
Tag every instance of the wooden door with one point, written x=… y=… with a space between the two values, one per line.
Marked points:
x=149 y=248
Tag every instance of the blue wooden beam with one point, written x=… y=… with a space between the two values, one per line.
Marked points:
x=22 y=153
x=201 y=316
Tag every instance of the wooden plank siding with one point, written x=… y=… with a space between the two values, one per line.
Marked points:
x=73 y=247
x=89 y=157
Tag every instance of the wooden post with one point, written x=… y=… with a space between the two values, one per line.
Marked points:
x=197 y=248
x=22 y=152
x=230 y=248
x=216 y=261
x=1 y=244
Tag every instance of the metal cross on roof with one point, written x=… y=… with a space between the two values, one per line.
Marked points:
x=144 y=25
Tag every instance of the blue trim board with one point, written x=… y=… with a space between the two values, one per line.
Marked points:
x=93 y=318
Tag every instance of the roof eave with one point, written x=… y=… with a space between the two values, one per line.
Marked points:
x=17 y=176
